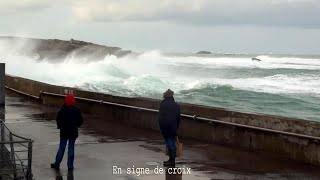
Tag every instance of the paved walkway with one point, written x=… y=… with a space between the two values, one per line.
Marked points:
x=103 y=145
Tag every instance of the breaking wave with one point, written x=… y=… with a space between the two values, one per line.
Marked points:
x=279 y=85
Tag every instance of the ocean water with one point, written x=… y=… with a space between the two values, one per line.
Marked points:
x=284 y=85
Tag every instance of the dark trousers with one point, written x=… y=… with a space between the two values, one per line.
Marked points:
x=171 y=145
x=60 y=153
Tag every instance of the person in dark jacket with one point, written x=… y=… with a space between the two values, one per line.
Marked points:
x=169 y=120
x=69 y=119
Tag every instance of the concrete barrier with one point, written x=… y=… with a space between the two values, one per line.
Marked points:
x=297 y=148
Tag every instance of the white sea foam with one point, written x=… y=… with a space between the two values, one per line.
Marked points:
x=152 y=73
x=278 y=84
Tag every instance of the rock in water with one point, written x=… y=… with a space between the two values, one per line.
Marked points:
x=204 y=52
x=256 y=59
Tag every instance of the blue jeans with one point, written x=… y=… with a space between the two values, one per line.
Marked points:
x=60 y=153
x=171 y=143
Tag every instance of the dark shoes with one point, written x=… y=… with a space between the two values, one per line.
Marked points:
x=170 y=162
x=54 y=166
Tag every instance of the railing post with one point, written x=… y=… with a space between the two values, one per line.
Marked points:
x=2 y=84
x=2 y=140
x=14 y=168
x=29 y=171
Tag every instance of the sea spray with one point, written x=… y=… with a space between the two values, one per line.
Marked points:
x=287 y=86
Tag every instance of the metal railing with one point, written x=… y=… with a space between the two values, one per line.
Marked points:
x=195 y=117
x=15 y=155
x=23 y=93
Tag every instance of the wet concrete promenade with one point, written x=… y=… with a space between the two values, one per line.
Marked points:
x=102 y=145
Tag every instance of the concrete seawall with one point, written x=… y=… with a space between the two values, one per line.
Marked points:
x=292 y=147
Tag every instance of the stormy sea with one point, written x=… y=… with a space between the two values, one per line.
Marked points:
x=285 y=85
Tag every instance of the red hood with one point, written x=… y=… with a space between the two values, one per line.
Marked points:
x=70 y=100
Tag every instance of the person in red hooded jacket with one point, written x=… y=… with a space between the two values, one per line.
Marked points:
x=69 y=119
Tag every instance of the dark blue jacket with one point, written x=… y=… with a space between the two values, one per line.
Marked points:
x=169 y=117
x=69 y=119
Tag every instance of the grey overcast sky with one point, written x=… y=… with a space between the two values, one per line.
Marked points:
x=229 y=26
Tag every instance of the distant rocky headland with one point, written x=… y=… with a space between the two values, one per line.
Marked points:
x=55 y=49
